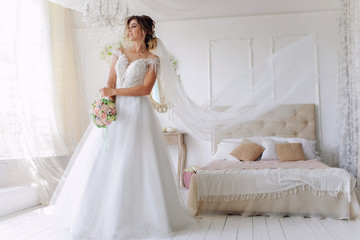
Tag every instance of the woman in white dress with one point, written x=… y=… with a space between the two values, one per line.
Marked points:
x=125 y=190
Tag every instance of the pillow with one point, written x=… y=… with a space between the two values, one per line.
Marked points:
x=225 y=147
x=308 y=146
x=290 y=152
x=270 y=152
x=247 y=151
x=223 y=151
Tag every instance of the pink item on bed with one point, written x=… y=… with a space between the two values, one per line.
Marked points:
x=187 y=178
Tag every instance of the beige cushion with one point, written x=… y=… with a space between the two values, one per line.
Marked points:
x=290 y=152
x=247 y=151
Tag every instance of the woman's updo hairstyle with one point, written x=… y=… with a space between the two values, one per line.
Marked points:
x=148 y=26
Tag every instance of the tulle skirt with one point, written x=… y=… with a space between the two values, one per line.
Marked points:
x=126 y=189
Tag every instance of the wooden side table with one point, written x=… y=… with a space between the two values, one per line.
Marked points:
x=178 y=138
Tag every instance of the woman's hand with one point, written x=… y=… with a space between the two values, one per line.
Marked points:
x=107 y=92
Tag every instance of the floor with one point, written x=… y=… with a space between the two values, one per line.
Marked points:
x=29 y=224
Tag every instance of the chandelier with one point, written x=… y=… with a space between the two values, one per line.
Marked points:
x=105 y=13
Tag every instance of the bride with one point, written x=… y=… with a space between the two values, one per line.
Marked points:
x=126 y=190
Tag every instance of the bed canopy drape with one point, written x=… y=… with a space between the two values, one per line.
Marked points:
x=348 y=99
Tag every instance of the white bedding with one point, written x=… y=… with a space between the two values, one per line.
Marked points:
x=233 y=184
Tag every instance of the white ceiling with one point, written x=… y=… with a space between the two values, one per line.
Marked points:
x=228 y=8
x=225 y=8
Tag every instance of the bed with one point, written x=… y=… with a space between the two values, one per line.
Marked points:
x=269 y=186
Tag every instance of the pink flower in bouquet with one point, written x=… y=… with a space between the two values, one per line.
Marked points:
x=103 y=117
x=103 y=112
x=104 y=108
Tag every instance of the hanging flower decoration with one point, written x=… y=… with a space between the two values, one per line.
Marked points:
x=107 y=51
x=173 y=62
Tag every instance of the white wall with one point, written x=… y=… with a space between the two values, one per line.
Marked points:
x=187 y=41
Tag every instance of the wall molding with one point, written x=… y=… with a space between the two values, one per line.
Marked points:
x=211 y=43
x=215 y=41
x=275 y=38
x=319 y=133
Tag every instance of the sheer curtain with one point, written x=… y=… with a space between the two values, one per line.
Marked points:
x=33 y=138
x=71 y=110
x=348 y=109
x=282 y=79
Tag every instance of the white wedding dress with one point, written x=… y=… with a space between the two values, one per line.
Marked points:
x=126 y=190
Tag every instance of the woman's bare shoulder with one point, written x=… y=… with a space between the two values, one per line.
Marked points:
x=121 y=49
x=153 y=56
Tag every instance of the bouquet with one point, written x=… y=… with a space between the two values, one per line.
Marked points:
x=103 y=112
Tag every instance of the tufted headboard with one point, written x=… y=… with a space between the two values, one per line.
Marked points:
x=291 y=120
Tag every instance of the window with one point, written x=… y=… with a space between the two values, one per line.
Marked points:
x=27 y=125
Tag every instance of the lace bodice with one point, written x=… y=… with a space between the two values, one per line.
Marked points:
x=132 y=74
